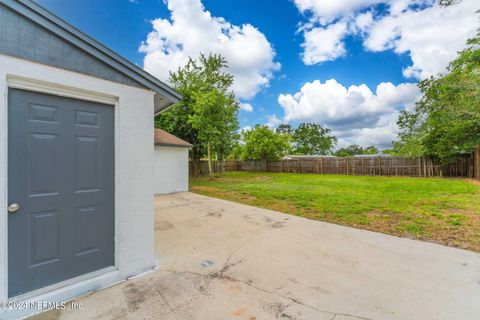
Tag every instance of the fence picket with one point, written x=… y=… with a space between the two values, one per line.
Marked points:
x=387 y=166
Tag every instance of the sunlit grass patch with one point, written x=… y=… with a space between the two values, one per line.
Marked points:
x=441 y=210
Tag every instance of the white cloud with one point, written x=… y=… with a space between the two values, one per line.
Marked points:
x=273 y=121
x=355 y=114
x=362 y=22
x=327 y=10
x=192 y=30
x=381 y=135
x=246 y=107
x=432 y=37
x=429 y=33
x=324 y=44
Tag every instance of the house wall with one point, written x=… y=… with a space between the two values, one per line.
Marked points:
x=134 y=219
x=171 y=169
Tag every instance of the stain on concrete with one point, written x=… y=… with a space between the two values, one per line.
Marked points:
x=278 y=224
x=222 y=273
x=278 y=310
x=134 y=296
x=239 y=312
x=163 y=225
x=214 y=214
x=321 y=290
x=206 y=263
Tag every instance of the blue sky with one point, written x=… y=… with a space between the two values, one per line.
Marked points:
x=348 y=65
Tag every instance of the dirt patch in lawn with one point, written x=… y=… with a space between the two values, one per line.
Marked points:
x=473 y=181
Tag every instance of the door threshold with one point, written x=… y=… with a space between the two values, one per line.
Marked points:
x=31 y=295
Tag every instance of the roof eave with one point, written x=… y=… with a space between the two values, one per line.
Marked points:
x=161 y=106
x=58 y=26
x=173 y=145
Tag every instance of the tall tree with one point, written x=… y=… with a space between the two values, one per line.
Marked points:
x=285 y=128
x=446 y=121
x=176 y=120
x=355 y=149
x=262 y=143
x=370 y=150
x=208 y=107
x=313 y=139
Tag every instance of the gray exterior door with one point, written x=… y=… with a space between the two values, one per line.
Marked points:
x=61 y=174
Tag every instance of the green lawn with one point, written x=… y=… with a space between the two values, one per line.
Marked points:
x=441 y=210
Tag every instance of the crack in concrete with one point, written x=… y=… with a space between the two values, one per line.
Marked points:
x=221 y=275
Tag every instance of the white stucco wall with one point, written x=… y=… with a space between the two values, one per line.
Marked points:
x=171 y=169
x=134 y=214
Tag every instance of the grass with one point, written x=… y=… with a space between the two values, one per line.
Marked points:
x=445 y=211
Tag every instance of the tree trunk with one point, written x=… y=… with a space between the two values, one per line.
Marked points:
x=195 y=157
x=209 y=154
x=476 y=162
x=220 y=164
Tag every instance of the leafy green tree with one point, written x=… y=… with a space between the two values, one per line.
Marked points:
x=176 y=120
x=349 y=151
x=355 y=149
x=313 y=139
x=285 y=129
x=262 y=143
x=208 y=108
x=236 y=150
x=390 y=151
x=446 y=121
x=370 y=150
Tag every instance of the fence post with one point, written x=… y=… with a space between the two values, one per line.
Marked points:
x=422 y=173
x=419 y=166
x=321 y=165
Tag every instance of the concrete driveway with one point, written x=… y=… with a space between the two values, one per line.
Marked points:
x=221 y=260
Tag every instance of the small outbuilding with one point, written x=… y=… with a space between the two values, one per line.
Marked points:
x=170 y=163
x=76 y=161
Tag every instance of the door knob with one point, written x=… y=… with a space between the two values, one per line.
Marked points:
x=13 y=207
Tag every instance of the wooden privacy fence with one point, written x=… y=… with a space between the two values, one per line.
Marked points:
x=373 y=166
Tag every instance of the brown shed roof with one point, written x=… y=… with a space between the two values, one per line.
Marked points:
x=163 y=138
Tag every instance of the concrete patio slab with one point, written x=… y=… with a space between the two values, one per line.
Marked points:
x=222 y=260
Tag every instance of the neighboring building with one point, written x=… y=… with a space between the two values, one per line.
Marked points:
x=170 y=163
x=76 y=160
